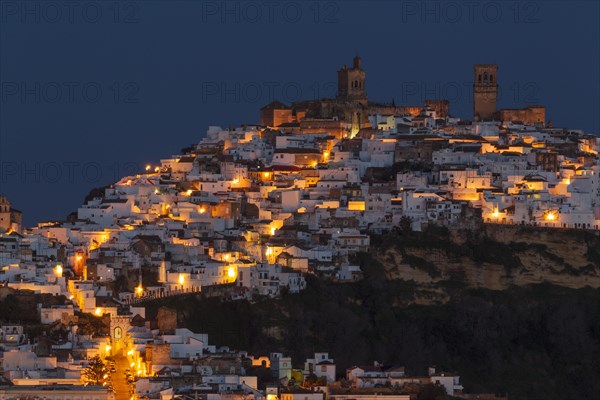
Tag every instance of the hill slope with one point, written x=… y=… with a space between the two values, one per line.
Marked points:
x=467 y=302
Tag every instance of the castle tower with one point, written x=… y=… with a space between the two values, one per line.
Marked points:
x=351 y=82
x=5 y=218
x=485 y=91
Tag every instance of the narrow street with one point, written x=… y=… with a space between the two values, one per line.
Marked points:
x=119 y=380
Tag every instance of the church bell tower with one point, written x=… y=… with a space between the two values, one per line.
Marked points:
x=485 y=91
x=351 y=82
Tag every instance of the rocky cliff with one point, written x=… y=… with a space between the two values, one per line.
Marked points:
x=492 y=256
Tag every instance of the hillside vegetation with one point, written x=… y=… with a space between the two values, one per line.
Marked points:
x=533 y=341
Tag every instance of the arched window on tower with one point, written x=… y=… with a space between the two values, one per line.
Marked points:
x=356 y=84
x=491 y=78
x=485 y=77
x=479 y=78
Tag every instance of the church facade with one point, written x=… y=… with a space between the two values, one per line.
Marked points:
x=343 y=116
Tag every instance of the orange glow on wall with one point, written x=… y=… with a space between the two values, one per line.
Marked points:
x=356 y=206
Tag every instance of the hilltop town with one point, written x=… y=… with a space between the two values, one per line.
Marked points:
x=249 y=212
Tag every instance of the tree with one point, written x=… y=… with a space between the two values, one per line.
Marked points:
x=94 y=373
x=89 y=324
x=310 y=381
x=321 y=381
x=432 y=392
x=405 y=224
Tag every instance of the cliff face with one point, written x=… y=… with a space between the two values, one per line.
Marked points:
x=493 y=257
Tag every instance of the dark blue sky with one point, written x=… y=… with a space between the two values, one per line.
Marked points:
x=90 y=91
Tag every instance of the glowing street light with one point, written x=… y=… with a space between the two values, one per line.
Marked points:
x=550 y=216
x=231 y=272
